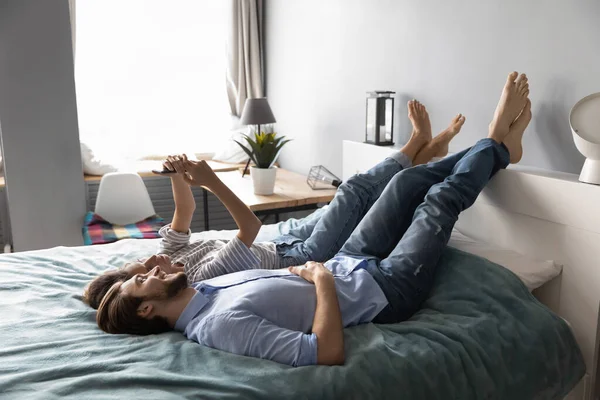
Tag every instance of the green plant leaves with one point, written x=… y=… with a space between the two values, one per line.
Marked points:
x=264 y=148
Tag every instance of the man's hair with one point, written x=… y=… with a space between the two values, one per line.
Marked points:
x=97 y=288
x=117 y=313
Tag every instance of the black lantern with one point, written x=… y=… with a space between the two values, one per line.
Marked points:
x=380 y=118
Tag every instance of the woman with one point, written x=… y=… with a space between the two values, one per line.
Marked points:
x=314 y=239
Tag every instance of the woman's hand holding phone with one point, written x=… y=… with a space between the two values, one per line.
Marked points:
x=173 y=165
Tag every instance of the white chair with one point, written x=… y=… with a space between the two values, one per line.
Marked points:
x=123 y=199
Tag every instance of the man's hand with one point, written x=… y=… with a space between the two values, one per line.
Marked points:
x=327 y=323
x=312 y=271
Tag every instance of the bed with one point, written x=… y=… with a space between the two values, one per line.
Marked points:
x=480 y=335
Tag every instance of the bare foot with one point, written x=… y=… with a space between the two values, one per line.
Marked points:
x=444 y=137
x=514 y=140
x=438 y=147
x=512 y=101
x=417 y=113
x=421 y=133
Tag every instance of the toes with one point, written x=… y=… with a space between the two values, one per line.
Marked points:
x=511 y=77
x=411 y=107
x=521 y=81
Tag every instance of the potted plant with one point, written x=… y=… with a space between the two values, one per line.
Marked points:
x=263 y=150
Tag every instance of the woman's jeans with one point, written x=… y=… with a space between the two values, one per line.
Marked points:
x=319 y=239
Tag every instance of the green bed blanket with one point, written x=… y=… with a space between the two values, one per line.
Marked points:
x=480 y=335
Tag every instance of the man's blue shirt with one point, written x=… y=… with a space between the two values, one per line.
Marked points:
x=269 y=313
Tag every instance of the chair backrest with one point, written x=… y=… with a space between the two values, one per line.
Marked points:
x=123 y=199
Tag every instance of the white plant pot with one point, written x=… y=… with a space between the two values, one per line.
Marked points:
x=263 y=180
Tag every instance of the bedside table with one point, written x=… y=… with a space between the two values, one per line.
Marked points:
x=359 y=157
x=292 y=193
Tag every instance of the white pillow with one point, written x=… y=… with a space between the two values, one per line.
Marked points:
x=92 y=165
x=231 y=152
x=534 y=273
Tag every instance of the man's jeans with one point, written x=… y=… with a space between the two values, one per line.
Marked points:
x=319 y=239
x=406 y=231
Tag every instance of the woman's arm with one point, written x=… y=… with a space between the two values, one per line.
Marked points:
x=198 y=173
x=185 y=205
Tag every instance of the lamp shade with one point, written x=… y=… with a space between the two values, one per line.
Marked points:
x=257 y=112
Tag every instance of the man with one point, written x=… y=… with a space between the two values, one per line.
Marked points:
x=315 y=239
x=382 y=273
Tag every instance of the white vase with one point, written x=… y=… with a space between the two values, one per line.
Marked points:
x=263 y=180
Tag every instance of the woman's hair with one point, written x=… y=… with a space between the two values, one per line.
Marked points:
x=117 y=313
x=97 y=288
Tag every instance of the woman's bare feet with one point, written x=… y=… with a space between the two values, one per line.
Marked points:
x=444 y=137
x=512 y=101
x=421 y=133
x=417 y=113
x=514 y=140
x=438 y=146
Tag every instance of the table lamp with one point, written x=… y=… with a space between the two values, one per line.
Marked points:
x=585 y=125
x=256 y=112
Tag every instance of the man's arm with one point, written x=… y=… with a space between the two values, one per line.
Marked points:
x=245 y=333
x=327 y=323
x=200 y=174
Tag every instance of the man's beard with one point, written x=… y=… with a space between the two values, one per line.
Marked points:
x=177 y=285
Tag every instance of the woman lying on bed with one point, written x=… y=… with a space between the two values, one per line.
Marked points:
x=315 y=239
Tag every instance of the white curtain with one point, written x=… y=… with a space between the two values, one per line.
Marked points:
x=150 y=77
x=73 y=22
x=245 y=53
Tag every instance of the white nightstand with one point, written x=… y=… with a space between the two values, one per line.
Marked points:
x=359 y=157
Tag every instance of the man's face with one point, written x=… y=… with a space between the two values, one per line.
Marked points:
x=155 y=284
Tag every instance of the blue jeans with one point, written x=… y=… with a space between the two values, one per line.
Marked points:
x=406 y=231
x=319 y=239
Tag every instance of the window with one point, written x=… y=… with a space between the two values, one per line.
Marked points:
x=150 y=76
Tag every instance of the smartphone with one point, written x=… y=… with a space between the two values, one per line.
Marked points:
x=163 y=172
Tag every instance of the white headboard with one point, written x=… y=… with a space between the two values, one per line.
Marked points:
x=547 y=215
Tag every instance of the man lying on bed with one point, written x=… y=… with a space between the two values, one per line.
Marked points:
x=382 y=274
x=315 y=239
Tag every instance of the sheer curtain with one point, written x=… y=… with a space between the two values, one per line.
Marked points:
x=150 y=76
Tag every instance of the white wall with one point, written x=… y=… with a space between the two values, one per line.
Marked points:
x=322 y=56
x=38 y=125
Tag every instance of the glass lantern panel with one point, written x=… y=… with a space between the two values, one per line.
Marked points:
x=389 y=116
x=382 y=120
x=371 y=118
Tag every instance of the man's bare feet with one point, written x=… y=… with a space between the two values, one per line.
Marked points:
x=512 y=101
x=514 y=140
x=421 y=133
x=438 y=147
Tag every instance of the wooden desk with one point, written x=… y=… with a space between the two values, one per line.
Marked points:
x=215 y=165
x=292 y=193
